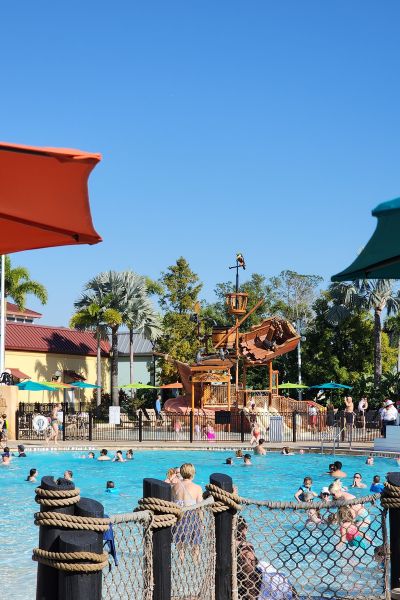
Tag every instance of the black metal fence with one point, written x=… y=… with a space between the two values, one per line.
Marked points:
x=81 y=423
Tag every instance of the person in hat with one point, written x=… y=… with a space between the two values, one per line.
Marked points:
x=389 y=415
x=325 y=494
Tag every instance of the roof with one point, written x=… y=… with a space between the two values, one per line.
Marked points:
x=19 y=374
x=13 y=309
x=141 y=345
x=54 y=340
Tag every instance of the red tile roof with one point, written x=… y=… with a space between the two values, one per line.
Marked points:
x=55 y=340
x=12 y=309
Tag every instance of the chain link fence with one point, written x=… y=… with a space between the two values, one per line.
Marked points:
x=312 y=550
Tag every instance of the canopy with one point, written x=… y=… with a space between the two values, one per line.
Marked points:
x=83 y=384
x=57 y=384
x=380 y=259
x=139 y=386
x=331 y=386
x=34 y=386
x=44 y=197
x=171 y=386
x=291 y=386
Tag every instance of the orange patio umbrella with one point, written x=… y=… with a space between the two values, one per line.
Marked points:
x=44 y=197
x=44 y=202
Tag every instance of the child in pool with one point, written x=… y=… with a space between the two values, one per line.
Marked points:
x=111 y=489
x=349 y=529
x=314 y=516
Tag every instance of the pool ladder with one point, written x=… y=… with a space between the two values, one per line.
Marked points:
x=334 y=439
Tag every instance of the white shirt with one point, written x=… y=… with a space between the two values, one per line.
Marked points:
x=362 y=405
x=390 y=413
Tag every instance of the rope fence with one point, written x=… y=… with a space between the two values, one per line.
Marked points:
x=310 y=550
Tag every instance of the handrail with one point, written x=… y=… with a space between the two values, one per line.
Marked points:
x=335 y=438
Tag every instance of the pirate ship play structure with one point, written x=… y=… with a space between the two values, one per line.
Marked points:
x=208 y=384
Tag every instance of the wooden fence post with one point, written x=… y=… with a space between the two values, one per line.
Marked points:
x=223 y=542
x=162 y=541
x=47 y=577
x=82 y=586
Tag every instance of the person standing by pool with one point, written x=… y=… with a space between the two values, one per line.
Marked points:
x=260 y=448
x=357 y=481
x=188 y=528
x=3 y=429
x=158 y=407
x=255 y=434
x=362 y=409
x=54 y=428
x=389 y=415
x=104 y=455
x=312 y=417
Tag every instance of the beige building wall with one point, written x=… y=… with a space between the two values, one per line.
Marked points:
x=42 y=366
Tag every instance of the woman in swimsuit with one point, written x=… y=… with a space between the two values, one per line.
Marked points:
x=187 y=531
x=54 y=424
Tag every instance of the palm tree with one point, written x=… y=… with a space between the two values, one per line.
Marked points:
x=392 y=327
x=98 y=318
x=369 y=294
x=18 y=285
x=107 y=289
x=139 y=314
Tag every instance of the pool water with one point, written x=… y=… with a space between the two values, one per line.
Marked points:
x=271 y=477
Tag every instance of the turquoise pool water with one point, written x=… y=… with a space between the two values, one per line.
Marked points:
x=271 y=477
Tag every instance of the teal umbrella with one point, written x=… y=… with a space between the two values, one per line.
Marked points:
x=380 y=259
x=35 y=386
x=331 y=385
x=83 y=384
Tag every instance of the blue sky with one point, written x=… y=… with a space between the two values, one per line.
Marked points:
x=266 y=127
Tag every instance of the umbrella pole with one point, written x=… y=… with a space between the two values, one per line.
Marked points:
x=2 y=315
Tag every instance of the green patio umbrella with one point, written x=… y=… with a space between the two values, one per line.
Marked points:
x=291 y=386
x=380 y=259
x=139 y=386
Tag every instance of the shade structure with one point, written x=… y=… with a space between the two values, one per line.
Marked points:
x=34 y=386
x=380 y=259
x=291 y=386
x=84 y=385
x=139 y=386
x=172 y=386
x=44 y=197
x=331 y=385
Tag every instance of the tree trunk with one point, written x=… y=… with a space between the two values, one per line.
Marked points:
x=377 y=347
x=98 y=381
x=114 y=366
x=131 y=364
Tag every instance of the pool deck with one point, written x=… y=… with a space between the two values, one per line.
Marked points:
x=360 y=448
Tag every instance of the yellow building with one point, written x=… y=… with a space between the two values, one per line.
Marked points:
x=43 y=353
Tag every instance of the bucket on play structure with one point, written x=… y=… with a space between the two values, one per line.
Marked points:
x=219 y=332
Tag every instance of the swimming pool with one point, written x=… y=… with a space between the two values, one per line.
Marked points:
x=272 y=477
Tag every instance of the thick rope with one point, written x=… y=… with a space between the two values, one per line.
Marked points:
x=306 y=505
x=57 y=498
x=54 y=519
x=222 y=500
x=390 y=497
x=165 y=513
x=60 y=560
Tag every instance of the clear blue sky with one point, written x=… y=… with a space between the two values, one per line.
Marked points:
x=266 y=127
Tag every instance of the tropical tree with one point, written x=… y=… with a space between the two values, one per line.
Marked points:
x=180 y=290
x=372 y=295
x=96 y=317
x=18 y=284
x=138 y=313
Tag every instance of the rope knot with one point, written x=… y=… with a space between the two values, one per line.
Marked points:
x=390 y=497
x=223 y=500
x=165 y=512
